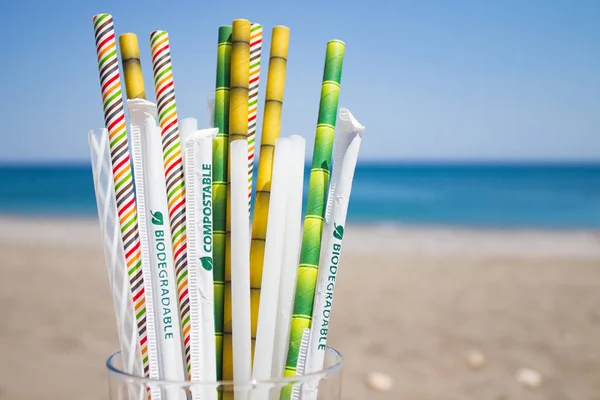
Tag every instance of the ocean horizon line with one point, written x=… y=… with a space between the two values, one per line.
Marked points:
x=362 y=163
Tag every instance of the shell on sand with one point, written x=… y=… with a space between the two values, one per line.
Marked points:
x=379 y=382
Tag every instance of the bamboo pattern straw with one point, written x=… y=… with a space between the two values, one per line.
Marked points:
x=270 y=133
x=169 y=125
x=255 y=50
x=114 y=118
x=220 y=159
x=317 y=196
x=132 y=67
x=238 y=130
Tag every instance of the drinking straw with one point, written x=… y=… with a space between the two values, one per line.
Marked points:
x=347 y=146
x=198 y=177
x=187 y=128
x=315 y=207
x=210 y=109
x=269 y=298
x=152 y=204
x=114 y=118
x=240 y=266
x=132 y=67
x=113 y=252
x=151 y=199
x=255 y=49
x=238 y=130
x=291 y=252
x=270 y=133
x=220 y=150
x=301 y=364
x=167 y=118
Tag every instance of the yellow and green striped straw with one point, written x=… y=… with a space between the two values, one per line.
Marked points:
x=238 y=130
x=220 y=159
x=316 y=203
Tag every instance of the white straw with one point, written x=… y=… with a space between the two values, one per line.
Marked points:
x=291 y=253
x=156 y=237
x=198 y=178
x=210 y=109
x=348 y=143
x=273 y=258
x=136 y=112
x=187 y=127
x=240 y=266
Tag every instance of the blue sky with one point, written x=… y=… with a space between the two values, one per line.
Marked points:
x=462 y=80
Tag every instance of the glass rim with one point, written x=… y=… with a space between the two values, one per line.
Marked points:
x=284 y=380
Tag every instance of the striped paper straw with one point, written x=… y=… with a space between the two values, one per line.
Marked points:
x=255 y=48
x=169 y=128
x=114 y=118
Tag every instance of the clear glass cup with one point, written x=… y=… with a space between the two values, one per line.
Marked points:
x=327 y=382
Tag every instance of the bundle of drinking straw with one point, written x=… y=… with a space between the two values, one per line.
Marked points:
x=201 y=291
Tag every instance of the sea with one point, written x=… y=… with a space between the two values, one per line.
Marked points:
x=545 y=196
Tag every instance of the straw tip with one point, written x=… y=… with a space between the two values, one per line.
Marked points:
x=281 y=27
x=158 y=32
x=96 y=19
x=128 y=35
x=336 y=41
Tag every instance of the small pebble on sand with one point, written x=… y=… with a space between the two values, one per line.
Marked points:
x=529 y=378
x=379 y=382
x=475 y=359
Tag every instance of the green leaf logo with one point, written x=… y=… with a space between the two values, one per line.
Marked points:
x=157 y=218
x=207 y=263
x=338 y=233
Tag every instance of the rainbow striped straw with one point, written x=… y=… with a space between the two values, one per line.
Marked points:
x=114 y=118
x=253 y=81
x=169 y=126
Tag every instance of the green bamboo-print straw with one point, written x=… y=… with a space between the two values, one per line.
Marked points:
x=220 y=148
x=317 y=197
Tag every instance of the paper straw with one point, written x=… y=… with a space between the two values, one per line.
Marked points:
x=240 y=265
x=156 y=244
x=315 y=207
x=114 y=118
x=220 y=151
x=269 y=298
x=238 y=130
x=140 y=198
x=151 y=194
x=270 y=133
x=167 y=118
x=132 y=67
x=291 y=253
x=255 y=49
x=198 y=176
x=347 y=146
x=113 y=252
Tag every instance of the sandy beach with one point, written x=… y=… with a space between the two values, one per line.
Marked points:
x=410 y=302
